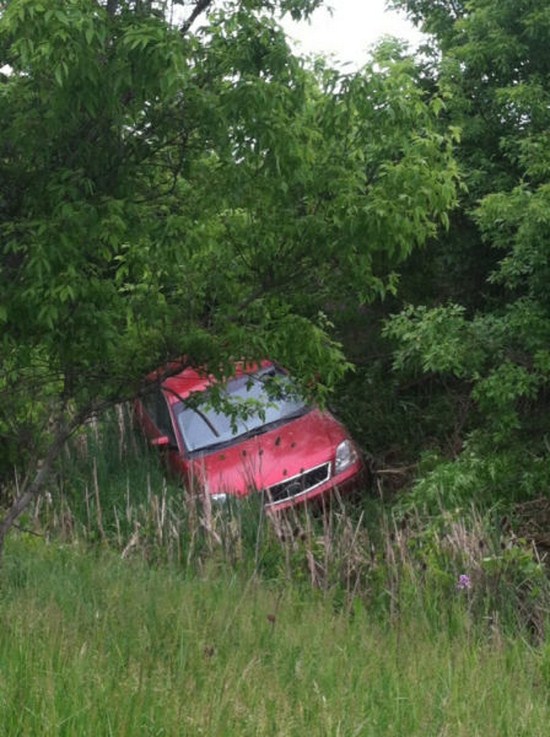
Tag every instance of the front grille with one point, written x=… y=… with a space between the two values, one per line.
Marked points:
x=298 y=485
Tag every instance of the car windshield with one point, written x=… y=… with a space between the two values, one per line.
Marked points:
x=204 y=427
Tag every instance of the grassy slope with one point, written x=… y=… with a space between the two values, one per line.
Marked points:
x=91 y=645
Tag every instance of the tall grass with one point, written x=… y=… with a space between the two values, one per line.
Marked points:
x=91 y=644
x=130 y=607
x=112 y=491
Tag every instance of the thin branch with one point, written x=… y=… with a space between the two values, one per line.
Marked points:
x=200 y=7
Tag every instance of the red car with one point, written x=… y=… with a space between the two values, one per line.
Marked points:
x=282 y=447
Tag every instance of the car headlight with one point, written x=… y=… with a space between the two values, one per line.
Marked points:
x=345 y=456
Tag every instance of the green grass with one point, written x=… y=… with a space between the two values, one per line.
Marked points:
x=111 y=492
x=153 y=614
x=94 y=645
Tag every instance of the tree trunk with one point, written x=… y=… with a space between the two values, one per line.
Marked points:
x=31 y=489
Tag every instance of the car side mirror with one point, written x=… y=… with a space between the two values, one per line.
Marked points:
x=163 y=442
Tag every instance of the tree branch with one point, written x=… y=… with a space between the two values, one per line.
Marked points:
x=200 y=7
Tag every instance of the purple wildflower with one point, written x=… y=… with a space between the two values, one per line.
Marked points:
x=464 y=582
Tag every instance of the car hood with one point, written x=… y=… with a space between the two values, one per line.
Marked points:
x=272 y=457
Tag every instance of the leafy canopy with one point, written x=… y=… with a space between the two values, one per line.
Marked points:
x=192 y=190
x=495 y=67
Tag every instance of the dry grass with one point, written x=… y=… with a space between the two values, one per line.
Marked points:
x=113 y=492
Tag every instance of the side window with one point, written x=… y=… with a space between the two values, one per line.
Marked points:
x=157 y=407
x=164 y=421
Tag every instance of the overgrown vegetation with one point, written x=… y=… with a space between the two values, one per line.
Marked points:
x=480 y=321
x=128 y=605
x=390 y=559
x=170 y=191
x=192 y=191
x=198 y=190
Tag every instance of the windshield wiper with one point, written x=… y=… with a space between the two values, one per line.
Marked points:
x=268 y=426
x=260 y=430
x=197 y=410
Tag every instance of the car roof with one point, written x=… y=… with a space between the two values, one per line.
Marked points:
x=186 y=382
x=191 y=379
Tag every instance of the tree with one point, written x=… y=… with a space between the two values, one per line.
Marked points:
x=495 y=69
x=177 y=190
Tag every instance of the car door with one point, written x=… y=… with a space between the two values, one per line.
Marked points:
x=158 y=425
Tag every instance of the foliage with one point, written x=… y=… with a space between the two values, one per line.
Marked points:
x=481 y=474
x=494 y=332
